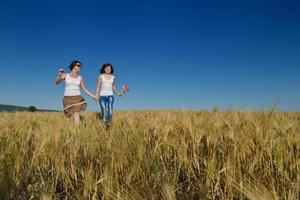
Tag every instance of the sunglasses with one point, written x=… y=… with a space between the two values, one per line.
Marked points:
x=79 y=65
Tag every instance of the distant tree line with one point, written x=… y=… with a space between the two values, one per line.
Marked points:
x=12 y=108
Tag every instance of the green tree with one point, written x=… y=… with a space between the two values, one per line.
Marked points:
x=32 y=109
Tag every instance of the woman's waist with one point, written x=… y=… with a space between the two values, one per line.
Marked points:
x=106 y=93
x=72 y=93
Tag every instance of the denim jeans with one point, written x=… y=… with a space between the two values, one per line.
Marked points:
x=106 y=105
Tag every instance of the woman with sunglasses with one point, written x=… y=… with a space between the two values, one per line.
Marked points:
x=73 y=102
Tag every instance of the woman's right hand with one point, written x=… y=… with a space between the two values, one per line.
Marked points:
x=61 y=73
x=61 y=76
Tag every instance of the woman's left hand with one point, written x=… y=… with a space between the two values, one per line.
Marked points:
x=125 y=89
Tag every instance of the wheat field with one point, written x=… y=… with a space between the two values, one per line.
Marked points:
x=151 y=155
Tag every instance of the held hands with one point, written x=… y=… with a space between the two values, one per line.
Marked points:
x=96 y=98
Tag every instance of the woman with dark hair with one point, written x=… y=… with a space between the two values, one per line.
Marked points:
x=73 y=102
x=106 y=86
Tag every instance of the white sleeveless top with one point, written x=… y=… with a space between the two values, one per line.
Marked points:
x=106 y=85
x=72 y=86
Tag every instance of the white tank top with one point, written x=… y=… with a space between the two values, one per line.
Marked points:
x=106 y=85
x=72 y=86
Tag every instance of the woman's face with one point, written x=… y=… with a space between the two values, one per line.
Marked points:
x=107 y=69
x=77 y=67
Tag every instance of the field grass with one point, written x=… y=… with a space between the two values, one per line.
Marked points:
x=151 y=155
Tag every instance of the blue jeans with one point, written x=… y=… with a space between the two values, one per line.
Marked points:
x=106 y=105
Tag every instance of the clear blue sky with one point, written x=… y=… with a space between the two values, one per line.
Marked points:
x=173 y=54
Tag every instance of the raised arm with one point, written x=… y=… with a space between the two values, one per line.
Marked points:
x=82 y=85
x=60 y=77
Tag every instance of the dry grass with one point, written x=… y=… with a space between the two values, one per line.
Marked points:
x=151 y=155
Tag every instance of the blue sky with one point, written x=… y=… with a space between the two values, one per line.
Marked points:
x=173 y=54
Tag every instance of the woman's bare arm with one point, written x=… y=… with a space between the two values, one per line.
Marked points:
x=60 y=77
x=82 y=85
x=115 y=89
x=98 y=86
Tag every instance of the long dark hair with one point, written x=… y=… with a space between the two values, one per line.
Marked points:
x=106 y=65
x=73 y=64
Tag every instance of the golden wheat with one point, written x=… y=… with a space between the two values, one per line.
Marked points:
x=151 y=155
